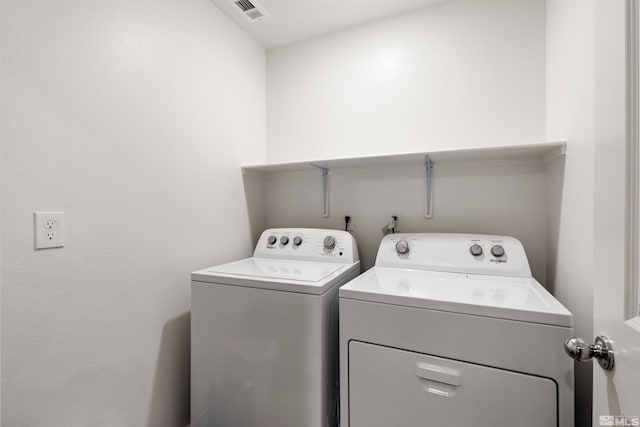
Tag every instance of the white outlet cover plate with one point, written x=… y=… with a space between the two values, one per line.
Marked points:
x=48 y=229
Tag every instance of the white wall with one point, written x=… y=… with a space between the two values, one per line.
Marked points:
x=457 y=74
x=132 y=118
x=509 y=199
x=452 y=75
x=570 y=117
x=461 y=73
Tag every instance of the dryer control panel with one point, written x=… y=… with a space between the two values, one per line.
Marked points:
x=455 y=253
x=309 y=244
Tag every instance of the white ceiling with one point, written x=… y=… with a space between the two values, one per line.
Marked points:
x=292 y=21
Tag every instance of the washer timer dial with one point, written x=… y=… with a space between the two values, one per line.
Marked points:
x=329 y=242
x=402 y=247
x=476 y=250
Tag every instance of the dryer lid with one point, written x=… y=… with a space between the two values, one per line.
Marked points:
x=512 y=298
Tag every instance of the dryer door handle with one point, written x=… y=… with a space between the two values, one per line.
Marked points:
x=440 y=374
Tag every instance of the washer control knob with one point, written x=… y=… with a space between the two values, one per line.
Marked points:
x=497 y=251
x=402 y=247
x=329 y=242
x=284 y=240
x=272 y=240
x=476 y=250
x=297 y=241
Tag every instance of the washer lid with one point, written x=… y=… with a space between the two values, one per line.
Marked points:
x=278 y=274
x=511 y=298
x=304 y=271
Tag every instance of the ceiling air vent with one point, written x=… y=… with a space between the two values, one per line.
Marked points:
x=252 y=10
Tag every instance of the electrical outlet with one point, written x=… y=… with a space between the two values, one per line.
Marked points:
x=48 y=229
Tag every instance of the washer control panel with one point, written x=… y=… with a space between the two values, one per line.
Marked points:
x=455 y=253
x=310 y=244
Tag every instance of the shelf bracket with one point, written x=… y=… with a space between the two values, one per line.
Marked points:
x=428 y=201
x=325 y=189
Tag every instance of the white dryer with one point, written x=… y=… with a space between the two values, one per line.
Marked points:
x=264 y=332
x=451 y=330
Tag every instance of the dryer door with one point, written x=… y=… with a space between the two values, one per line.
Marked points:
x=391 y=387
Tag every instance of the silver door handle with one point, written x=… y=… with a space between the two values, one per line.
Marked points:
x=601 y=350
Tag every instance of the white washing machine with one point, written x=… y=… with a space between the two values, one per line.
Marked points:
x=451 y=330
x=264 y=332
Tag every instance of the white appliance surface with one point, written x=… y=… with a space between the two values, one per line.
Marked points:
x=452 y=253
x=264 y=332
x=308 y=244
x=502 y=297
x=306 y=267
x=391 y=387
x=441 y=319
x=441 y=272
x=305 y=271
x=276 y=274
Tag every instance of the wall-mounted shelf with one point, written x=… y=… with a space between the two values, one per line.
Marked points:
x=430 y=160
x=531 y=153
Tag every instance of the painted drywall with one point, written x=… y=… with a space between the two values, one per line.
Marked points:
x=614 y=392
x=506 y=199
x=133 y=118
x=462 y=73
x=453 y=75
x=570 y=117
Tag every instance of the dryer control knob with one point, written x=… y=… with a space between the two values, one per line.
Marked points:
x=497 y=251
x=476 y=250
x=272 y=240
x=284 y=240
x=329 y=242
x=297 y=241
x=402 y=247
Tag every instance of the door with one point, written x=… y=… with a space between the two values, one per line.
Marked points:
x=616 y=399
